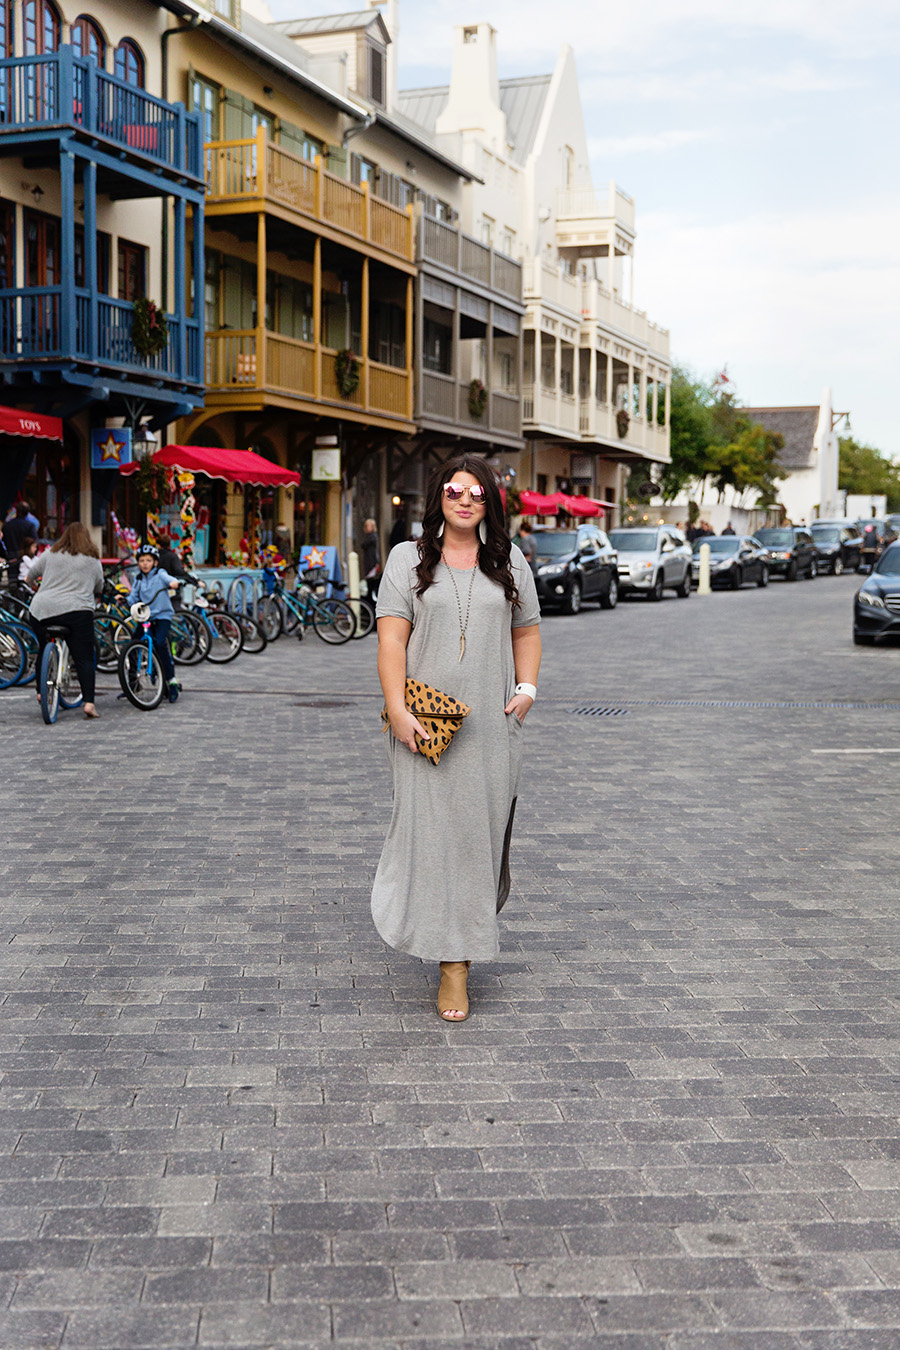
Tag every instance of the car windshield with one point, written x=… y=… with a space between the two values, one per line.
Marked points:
x=634 y=541
x=555 y=542
x=775 y=536
x=829 y=533
x=729 y=545
x=889 y=562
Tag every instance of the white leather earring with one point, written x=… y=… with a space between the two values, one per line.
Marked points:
x=440 y=530
x=482 y=531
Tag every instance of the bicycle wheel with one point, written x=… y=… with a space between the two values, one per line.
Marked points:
x=69 y=688
x=15 y=606
x=140 y=675
x=241 y=592
x=365 y=619
x=30 y=646
x=228 y=640
x=104 y=644
x=50 y=683
x=289 y=616
x=333 y=621
x=12 y=656
x=255 y=639
x=189 y=639
x=270 y=617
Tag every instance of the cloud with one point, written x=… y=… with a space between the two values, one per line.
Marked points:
x=651 y=143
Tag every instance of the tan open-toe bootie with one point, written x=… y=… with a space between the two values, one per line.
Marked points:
x=452 y=996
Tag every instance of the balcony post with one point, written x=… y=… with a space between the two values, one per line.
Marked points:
x=367 y=212
x=489 y=359
x=317 y=314
x=67 y=253
x=557 y=378
x=320 y=188
x=261 y=162
x=409 y=348
x=455 y=358
x=259 y=380
x=592 y=392
x=178 y=260
x=610 y=391
x=66 y=85
x=180 y=137
x=90 y=256
x=537 y=385
x=654 y=413
x=199 y=272
x=364 y=325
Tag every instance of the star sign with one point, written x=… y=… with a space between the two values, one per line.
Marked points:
x=110 y=449
x=315 y=558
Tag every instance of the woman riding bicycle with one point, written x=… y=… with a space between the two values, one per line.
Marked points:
x=71 y=578
x=151 y=587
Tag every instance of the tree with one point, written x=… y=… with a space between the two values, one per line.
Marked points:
x=691 y=433
x=750 y=462
x=863 y=469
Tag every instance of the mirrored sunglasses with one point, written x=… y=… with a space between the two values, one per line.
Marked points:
x=454 y=492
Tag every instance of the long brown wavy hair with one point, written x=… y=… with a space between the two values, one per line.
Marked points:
x=493 y=557
x=75 y=539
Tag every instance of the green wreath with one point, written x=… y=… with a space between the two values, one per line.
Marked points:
x=149 y=328
x=623 y=421
x=152 y=485
x=478 y=398
x=346 y=373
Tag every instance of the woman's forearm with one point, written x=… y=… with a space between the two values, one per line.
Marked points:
x=527 y=653
x=392 y=669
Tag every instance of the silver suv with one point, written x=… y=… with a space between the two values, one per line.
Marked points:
x=652 y=559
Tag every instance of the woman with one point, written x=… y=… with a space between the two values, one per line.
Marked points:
x=457 y=610
x=371 y=557
x=71 y=577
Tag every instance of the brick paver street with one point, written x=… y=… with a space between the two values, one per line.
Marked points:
x=229 y=1116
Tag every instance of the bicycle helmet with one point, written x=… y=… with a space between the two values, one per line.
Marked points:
x=151 y=549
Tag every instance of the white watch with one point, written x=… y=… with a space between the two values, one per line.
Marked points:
x=529 y=689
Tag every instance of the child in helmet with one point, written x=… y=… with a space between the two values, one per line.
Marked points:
x=151 y=587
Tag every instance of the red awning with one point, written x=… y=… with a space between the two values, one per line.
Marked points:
x=232 y=466
x=537 y=504
x=15 y=423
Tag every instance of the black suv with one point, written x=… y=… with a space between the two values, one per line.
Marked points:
x=838 y=546
x=575 y=565
x=791 y=550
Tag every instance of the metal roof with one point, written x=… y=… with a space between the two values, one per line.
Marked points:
x=331 y=23
x=522 y=100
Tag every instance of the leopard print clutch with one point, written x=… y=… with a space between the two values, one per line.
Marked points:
x=440 y=715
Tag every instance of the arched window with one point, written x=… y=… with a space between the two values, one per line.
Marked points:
x=130 y=63
x=88 y=39
x=42 y=27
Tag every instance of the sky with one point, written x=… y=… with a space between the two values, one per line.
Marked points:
x=759 y=140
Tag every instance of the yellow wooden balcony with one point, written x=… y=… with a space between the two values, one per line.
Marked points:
x=257 y=174
x=253 y=367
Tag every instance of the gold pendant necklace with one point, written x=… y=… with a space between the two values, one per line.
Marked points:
x=463 y=624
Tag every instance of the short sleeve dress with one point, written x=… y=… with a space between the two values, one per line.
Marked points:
x=444 y=871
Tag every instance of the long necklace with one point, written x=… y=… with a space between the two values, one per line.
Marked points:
x=463 y=623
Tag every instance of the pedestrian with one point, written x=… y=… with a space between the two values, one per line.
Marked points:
x=151 y=587
x=171 y=562
x=459 y=611
x=70 y=577
x=398 y=533
x=371 y=557
x=729 y=528
x=26 y=558
x=15 y=532
x=527 y=546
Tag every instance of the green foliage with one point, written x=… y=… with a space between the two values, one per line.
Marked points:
x=749 y=462
x=691 y=433
x=149 y=327
x=865 y=470
x=152 y=485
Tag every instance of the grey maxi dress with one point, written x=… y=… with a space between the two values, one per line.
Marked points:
x=444 y=873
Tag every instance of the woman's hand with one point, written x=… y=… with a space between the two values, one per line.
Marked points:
x=404 y=728
x=519 y=705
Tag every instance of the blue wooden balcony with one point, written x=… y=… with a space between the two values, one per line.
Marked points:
x=61 y=94
x=64 y=328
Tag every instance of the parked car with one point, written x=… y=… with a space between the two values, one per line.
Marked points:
x=876 y=606
x=791 y=550
x=651 y=560
x=838 y=546
x=734 y=559
x=876 y=535
x=575 y=565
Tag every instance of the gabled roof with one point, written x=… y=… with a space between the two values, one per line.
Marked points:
x=522 y=100
x=332 y=23
x=796 y=425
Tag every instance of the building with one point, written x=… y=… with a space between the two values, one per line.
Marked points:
x=596 y=371
x=100 y=177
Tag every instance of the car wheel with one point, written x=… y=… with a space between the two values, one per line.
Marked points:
x=791 y=573
x=763 y=577
x=737 y=579
x=656 y=591
x=837 y=567
x=863 y=639
x=610 y=597
x=813 y=570
x=684 y=590
x=572 y=602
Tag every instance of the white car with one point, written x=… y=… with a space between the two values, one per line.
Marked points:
x=652 y=559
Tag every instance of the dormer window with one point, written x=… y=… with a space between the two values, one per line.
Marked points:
x=376 y=74
x=470 y=35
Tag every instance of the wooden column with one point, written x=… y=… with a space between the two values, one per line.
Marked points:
x=180 y=303
x=409 y=347
x=364 y=326
x=317 y=317
x=260 y=300
x=90 y=255
x=68 y=302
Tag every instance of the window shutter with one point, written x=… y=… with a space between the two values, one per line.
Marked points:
x=238 y=116
x=291 y=137
x=338 y=161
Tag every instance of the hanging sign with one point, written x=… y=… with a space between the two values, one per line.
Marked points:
x=110 y=447
x=326 y=466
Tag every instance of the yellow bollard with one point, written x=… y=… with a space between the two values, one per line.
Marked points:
x=703 y=586
x=353 y=582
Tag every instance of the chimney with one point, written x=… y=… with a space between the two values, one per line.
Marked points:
x=474 y=101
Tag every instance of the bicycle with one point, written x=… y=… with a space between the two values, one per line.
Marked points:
x=140 y=669
x=223 y=634
x=332 y=620
x=12 y=656
x=57 y=681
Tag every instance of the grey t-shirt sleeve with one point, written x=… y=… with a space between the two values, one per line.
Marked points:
x=37 y=567
x=528 y=610
x=395 y=591
x=98 y=577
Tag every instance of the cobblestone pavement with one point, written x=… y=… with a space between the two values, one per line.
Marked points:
x=229 y=1116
